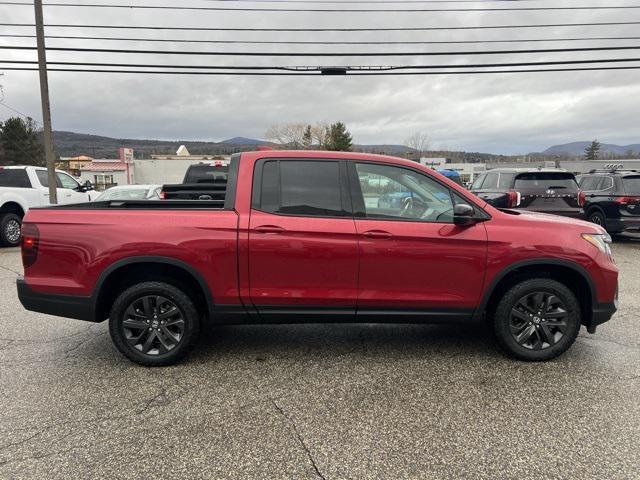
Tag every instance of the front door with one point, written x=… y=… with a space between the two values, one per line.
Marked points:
x=303 y=253
x=414 y=261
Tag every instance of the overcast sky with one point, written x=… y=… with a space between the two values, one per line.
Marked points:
x=507 y=113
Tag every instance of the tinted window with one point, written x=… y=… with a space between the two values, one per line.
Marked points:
x=631 y=185
x=546 y=180
x=310 y=188
x=206 y=174
x=43 y=178
x=506 y=181
x=490 y=181
x=16 y=178
x=399 y=193
x=589 y=183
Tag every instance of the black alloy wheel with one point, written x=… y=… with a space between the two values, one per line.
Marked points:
x=597 y=217
x=537 y=319
x=154 y=323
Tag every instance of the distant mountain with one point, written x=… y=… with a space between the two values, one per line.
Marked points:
x=577 y=148
x=245 y=141
x=385 y=149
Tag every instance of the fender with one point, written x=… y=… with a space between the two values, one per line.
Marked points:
x=152 y=259
x=537 y=262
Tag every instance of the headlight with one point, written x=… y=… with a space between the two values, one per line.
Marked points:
x=601 y=241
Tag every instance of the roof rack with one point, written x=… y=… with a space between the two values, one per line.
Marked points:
x=612 y=170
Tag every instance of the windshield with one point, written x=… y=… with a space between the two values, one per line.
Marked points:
x=123 y=194
x=631 y=185
x=545 y=180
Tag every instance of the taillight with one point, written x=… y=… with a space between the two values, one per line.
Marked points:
x=627 y=200
x=581 y=198
x=30 y=242
x=513 y=199
x=162 y=195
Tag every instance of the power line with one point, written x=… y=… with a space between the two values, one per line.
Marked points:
x=325 y=54
x=320 y=68
x=290 y=42
x=329 y=10
x=306 y=29
x=380 y=73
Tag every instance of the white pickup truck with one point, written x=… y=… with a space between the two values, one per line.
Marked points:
x=23 y=187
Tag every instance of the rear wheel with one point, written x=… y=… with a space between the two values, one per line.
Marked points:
x=537 y=320
x=10 y=230
x=154 y=323
x=597 y=217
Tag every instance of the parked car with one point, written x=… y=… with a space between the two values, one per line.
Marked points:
x=612 y=199
x=452 y=175
x=131 y=192
x=293 y=240
x=545 y=190
x=202 y=181
x=24 y=187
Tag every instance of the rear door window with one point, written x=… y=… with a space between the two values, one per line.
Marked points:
x=631 y=185
x=301 y=187
x=43 y=178
x=14 y=177
x=506 y=181
x=546 y=180
x=589 y=184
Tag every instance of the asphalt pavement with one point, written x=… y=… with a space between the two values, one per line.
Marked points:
x=319 y=401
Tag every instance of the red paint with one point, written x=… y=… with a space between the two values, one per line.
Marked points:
x=251 y=257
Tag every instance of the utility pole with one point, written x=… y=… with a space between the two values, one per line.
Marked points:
x=46 y=109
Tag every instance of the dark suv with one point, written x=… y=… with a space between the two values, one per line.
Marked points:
x=547 y=190
x=612 y=199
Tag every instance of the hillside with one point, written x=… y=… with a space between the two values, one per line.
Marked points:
x=577 y=149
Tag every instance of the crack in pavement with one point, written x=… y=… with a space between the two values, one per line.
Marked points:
x=299 y=437
x=10 y=270
x=606 y=340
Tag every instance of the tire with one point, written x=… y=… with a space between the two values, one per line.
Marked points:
x=154 y=324
x=523 y=333
x=597 y=217
x=9 y=236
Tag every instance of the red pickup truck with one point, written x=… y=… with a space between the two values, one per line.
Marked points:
x=318 y=237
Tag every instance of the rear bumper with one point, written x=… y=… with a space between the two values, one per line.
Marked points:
x=69 y=306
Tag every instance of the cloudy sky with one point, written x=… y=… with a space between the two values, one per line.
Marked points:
x=505 y=113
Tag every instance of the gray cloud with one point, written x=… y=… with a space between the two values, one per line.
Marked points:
x=510 y=113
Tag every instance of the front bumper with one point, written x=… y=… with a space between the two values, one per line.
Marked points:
x=69 y=306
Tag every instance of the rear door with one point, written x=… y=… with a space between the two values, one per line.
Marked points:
x=630 y=205
x=413 y=260
x=548 y=192
x=303 y=252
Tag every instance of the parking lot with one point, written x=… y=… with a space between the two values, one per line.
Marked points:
x=318 y=401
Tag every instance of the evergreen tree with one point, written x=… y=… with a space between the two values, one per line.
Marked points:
x=592 y=152
x=339 y=138
x=20 y=143
x=307 y=138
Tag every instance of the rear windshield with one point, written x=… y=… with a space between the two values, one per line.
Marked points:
x=206 y=174
x=631 y=185
x=555 y=180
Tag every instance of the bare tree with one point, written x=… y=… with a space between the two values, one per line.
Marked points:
x=419 y=141
x=320 y=135
x=289 y=135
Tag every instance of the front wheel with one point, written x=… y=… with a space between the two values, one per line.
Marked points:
x=537 y=320
x=154 y=323
x=10 y=230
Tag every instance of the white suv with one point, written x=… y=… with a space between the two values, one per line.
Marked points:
x=23 y=187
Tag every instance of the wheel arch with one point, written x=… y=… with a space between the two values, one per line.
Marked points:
x=12 y=207
x=129 y=271
x=571 y=274
x=591 y=208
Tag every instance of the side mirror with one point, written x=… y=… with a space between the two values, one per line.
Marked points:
x=88 y=186
x=463 y=214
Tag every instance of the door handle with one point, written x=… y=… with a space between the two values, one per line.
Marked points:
x=377 y=234
x=269 y=229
